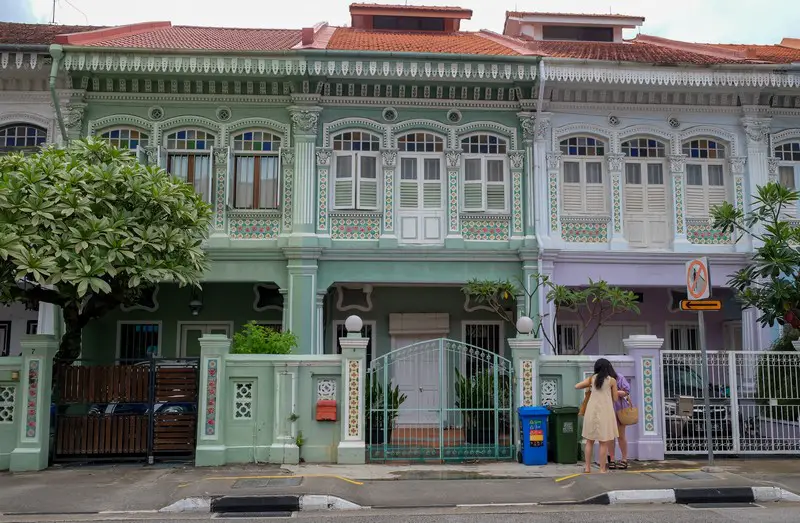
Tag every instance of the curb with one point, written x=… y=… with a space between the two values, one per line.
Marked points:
x=261 y=504
x=686 y=496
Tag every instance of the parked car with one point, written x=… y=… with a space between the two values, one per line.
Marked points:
x=684 y=381
x=128 y=409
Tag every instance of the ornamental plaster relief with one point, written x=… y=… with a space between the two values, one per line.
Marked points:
x=787 y=135
x=47 y=123
x=445 y=132
x=114 y=120
x=612 y=137
x=187 y=120
x=331 y=128
x=711 y=132
x=274 y=126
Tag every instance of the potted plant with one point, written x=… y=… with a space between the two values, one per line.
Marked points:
x=475 y=398
x=379 y=410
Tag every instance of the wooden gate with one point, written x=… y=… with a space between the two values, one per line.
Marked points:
x=145 y=411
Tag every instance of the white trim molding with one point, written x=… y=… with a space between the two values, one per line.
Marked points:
x=243 y=124
x=779 y=138
x=362 y=124
x=178 y=122
x=463 y=131
x=30 y=118
x=575 y=129
x=710 y=132
x=117 y=120
x=445 y=132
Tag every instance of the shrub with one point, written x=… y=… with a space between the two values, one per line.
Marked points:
x=258 y=339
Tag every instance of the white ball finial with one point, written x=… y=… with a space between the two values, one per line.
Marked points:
x=525 y=325
x=353 y=324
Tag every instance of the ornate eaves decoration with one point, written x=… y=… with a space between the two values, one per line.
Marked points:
x=276 y=127
x=653 y=76
x=331 y=128
x=22 y=60
x=282 y=67
x=492 y=127
x=115 y=120
x=581 y=128
x=711 y=132
x=182 y=121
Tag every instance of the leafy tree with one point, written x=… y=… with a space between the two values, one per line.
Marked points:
x=771 y=281
x=88 y=228
x=595 y=304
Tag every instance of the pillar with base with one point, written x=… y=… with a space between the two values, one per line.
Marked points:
x=354 y=351
x=33 y=436
x=645 y=350
x=525 y=352
x=210 y=450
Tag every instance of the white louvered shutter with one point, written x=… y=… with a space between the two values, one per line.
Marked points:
x=344 y=187
x=572 y=189
x=368 y=183
x=786 y=178
x=656 y=189
x=409 y=184
x=695 y=192
x=208 y=186
x=229 y=188
x=473 y=185
x=716 y=187
x=634 y=188
x=432 y=183
x=141 y=155
x=596 y=196
x=162 y=157
x=495 y=185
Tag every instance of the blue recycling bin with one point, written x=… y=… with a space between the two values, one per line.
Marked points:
x=533 y=434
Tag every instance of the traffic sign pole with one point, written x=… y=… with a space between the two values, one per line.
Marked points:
x=706 y=387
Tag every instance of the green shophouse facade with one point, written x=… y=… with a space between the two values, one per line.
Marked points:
x=342 y=182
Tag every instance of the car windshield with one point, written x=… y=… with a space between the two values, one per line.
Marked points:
x=685 y=381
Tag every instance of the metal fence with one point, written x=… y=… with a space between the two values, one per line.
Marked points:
x=440 y=400
x=755 y=402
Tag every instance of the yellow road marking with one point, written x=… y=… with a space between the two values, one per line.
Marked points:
x=342 y=478
x=569 y=477
x=643 y=471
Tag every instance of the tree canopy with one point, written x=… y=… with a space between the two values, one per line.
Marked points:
x=771 y=281
x=88 y=228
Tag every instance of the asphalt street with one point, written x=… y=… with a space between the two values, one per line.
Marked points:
x=769 y=513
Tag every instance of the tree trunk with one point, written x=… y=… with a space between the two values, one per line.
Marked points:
x=70 y=347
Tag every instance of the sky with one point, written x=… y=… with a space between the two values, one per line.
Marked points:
x=716 y=21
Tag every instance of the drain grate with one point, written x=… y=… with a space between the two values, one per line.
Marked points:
x=291 y=481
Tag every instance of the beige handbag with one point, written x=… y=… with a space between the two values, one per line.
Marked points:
x=582 y=410
x=628 y=415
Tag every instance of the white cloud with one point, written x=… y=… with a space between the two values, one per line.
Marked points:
x=734 y=21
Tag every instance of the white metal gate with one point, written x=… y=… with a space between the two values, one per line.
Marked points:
x=755 y=402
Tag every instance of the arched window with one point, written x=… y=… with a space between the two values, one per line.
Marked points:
x=485 y=183
x=355 y=176
x=705 y=176
x=21 y=137
x=125 y=138
x=189 y=158
x=255 y=173
x=789 y=169
x=583 y=189
x=421 y=158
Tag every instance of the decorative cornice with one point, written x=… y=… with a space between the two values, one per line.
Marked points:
x=652 y=76
x=24 y=61
x=280 y=67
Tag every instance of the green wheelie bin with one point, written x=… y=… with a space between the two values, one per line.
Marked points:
x=563 y=435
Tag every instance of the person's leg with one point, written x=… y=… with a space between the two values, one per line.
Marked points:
x=623 y=446
x=603 y=453
x=587 y=456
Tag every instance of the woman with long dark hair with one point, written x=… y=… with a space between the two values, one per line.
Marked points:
x=620 y=403
x=600 y=420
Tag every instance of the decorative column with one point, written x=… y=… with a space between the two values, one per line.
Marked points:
x=305 y=120
x=302 y=303
x=323 y=175
x=220 y=190
x=388 y=236
x=354 y=354
x=287 y=182
x=320 y=345
x=547 y=309
x=757 y=131
x=737 y=165
x=677 y=170
x=210 y=427
x=615 y=162
x=525 y=352
x=772 y=169
x=516 y=163
x=453 y=157
x=645 y=350
x=553 y=168
x=285 y=308
x=535 y=134
x=32 y=449
x=284 y=449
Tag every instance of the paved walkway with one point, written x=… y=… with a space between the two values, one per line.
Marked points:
x=130 y=487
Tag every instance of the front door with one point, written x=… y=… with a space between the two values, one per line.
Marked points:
x=421 y=210
x=610 y=337
x=646 y=221
x=417 y=376
x=192 y=332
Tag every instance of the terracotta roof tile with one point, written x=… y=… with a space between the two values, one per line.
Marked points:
x=207 y=38
x=392 y=7
x=448 y=43
x=33 y=34
x=767 y=53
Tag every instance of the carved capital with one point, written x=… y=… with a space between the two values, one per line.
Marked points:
x=516 y=159
x=737 y=164
x=287 y=156
x=615 y=161
x=324 y=156
x=543 y=126
x=73 y=116
x=305 y=120
x=756 y=129
x=221 y=158
x=528 y=124
x=554 y=160
x=453 y=158
x=677 y=163
x=772 y=165
x=389 y=157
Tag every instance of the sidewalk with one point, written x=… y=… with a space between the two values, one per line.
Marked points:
x=141 y=488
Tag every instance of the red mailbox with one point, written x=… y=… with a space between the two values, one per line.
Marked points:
x=326 y=410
